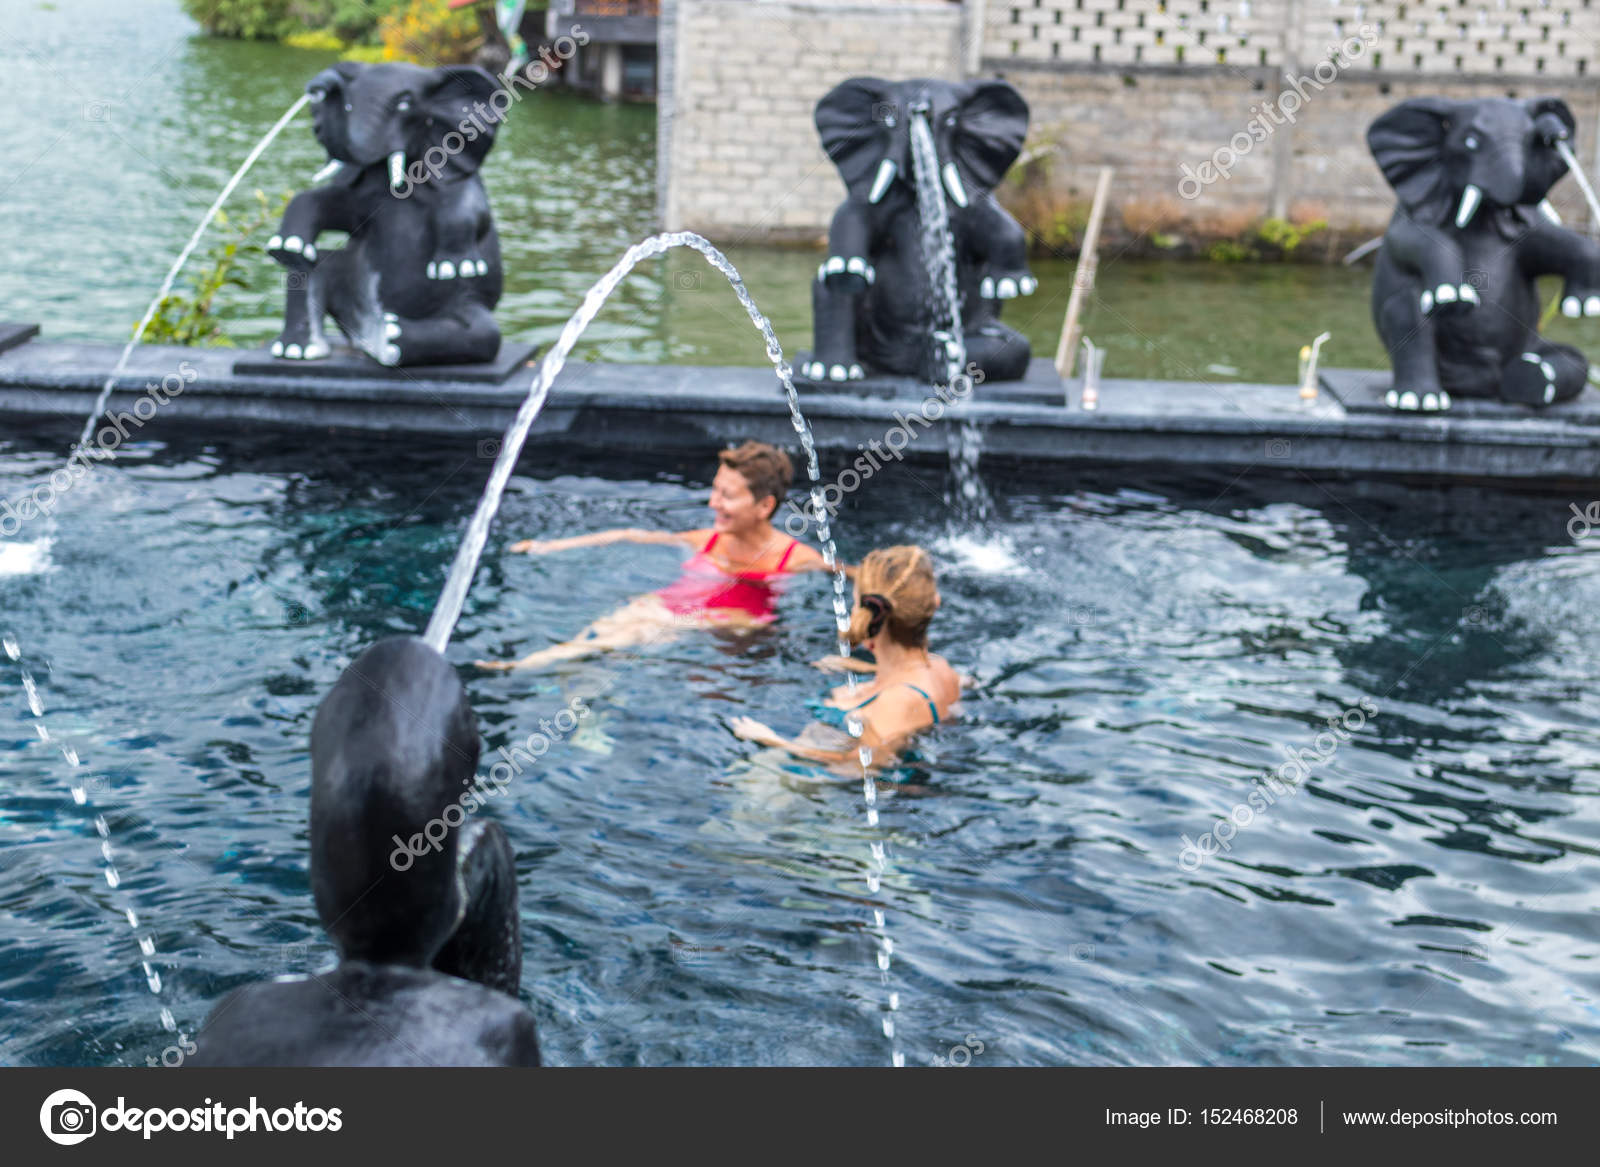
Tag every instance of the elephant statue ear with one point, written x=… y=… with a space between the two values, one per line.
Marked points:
x=1552 y=122
x=1552 y=113
x=1408 y=145
x=449 y=97
x=855 y=123
x=991 y=125
x=458 y=86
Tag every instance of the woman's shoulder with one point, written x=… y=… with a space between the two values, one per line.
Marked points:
x=803 y=557
x=946 y=678
x=697 y=538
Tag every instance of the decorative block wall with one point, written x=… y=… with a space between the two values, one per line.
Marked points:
x=1523 y=38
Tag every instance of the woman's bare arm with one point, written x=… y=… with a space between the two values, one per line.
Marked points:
x=833 y=663
x=751 y=730
x=883 y=731
x=600 y=539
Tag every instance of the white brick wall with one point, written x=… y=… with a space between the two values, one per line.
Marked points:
x=1524 y=38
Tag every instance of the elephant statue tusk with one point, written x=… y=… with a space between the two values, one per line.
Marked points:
x=952 y=183
x=1549 y=212
x=333 y=167
x=880 y=183
x=1470 y=198
x=397 y=169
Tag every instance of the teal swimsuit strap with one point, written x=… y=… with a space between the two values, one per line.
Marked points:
x=932 y=708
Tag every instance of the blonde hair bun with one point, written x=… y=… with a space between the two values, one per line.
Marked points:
x=896 y=594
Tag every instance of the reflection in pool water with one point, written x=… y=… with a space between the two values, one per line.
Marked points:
x=1145 y=655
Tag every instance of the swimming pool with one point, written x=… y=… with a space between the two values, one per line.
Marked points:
x=1425 y=895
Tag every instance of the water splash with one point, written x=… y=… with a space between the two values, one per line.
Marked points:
x=177 y=266
x=25 y=558
x=451 y=598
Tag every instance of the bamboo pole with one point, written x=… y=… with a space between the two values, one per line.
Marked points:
x=1083 y=277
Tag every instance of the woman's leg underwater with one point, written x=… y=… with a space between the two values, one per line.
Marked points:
x=643 y=620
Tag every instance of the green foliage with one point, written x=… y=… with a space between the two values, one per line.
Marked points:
x=186 y=316
x=1230 y=251
x=1286 y=236
x=244 y=19
x=1278 y=236
x=354 y=21
x=319 y=40
x=344 y=21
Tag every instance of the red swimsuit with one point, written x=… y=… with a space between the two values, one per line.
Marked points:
x=706 y=587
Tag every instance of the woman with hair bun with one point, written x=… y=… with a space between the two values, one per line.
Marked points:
x=911 y=689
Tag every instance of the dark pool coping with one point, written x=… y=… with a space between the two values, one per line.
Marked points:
x=1228 y=426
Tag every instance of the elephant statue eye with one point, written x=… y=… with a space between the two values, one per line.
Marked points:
x=404 y=104
x=1471 y=143
x=348 y=108
x=888 y=120
x=950 y=119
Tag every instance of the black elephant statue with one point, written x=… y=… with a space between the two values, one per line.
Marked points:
x=1454 y=295
x=871 y=301
x=422 y=907
x=419 y=278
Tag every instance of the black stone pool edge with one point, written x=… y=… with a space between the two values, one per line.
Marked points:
x=1225 y=426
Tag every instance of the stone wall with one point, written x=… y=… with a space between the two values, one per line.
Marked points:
x=745 y=162
x=1146 y=86
x=1158 y=130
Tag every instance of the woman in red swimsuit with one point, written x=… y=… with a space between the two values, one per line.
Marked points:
x=727 y=583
